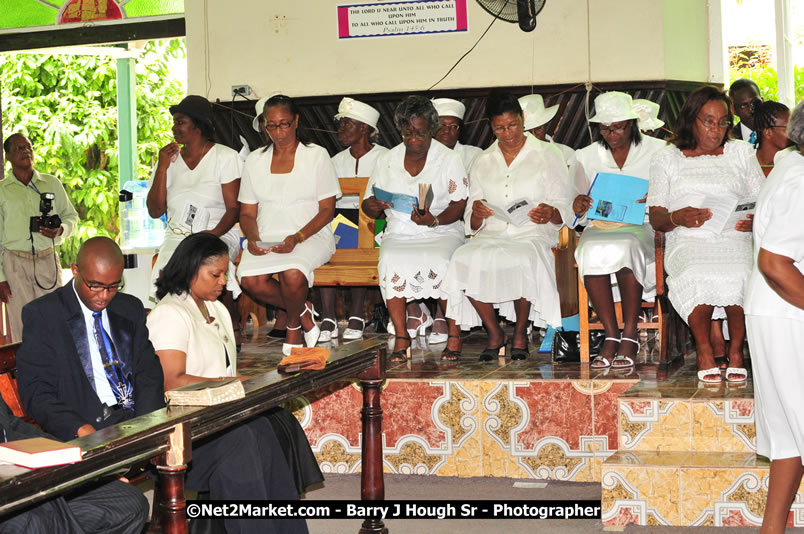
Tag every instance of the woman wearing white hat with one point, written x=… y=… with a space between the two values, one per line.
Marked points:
x=695 y=177
x=417 y=246
x=648 y=112
x=287 y=200
x=607 y=248
x=537 y=117
x=357 y=124
x=451 y=113
x=510 y=266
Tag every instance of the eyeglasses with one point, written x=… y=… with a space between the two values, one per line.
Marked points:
x=514 y=126
x=284 y=125
x=450 y=127
x=407 y=134
x=606 y=130
x=709 y=124
x=97 y=288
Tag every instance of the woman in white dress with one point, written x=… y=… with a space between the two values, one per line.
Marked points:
x=417 y=246
x=606 y=248
x=510 y=266
x=287 y=200
x=693 y=180
x=774 y=309
x=196 y=182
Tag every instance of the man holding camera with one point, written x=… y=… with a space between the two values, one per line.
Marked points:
x=35 y=217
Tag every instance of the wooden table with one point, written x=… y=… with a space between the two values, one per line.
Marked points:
x=167 y=434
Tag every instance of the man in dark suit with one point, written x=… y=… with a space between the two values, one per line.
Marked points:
x=111 y=508
x=86 y=362
x=743 y=92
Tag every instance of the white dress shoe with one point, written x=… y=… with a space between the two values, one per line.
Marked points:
x=327 y=335
x=354 y=333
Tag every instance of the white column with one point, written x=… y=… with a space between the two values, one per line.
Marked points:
x=784 y=53
x=718 y=57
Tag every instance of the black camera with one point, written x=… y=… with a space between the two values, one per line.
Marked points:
x=45 y=220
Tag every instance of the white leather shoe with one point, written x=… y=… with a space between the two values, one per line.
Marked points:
x=425 y=320
x=286 y=347
x=311 y=336
x=353 y=333
x=328 y=335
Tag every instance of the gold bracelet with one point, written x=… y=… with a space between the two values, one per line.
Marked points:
x=671 y=219
x=300 y=234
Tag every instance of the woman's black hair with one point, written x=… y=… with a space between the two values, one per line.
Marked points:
x=499 y=102
x=683 y=136
x=286 y=102
x=194 y=251
x=207 y=130
x=636 y=135
x=765 y=114
x=416 y=106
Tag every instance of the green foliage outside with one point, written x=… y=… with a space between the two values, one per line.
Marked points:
x=67 y=107
x=755 y=65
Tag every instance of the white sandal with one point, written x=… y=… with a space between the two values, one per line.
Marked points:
x=425 y=320
x=617 y=362
x=435 y=338
x=327 y=335
x=310 y=336
x=714 y=372
x=286 y=347
x=599 y=362
x=739 y=371
x=354 y=333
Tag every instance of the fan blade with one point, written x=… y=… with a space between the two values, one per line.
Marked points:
x=526 y=13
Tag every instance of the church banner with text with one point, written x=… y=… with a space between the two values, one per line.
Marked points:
x=401 y=18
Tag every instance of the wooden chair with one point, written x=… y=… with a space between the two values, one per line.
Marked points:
x=8 y=381
x=567 y=271
x=5 y=325
x=353 y=266
x=670 y=334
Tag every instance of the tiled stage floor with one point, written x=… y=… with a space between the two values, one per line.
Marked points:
x=666 y=449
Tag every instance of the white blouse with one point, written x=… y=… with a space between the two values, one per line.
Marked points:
x=468 y=154
x=537 y=174
x=176 y=323
x=288 y=201
x=346 y=166
x=443 y=170
x=201 y=186
x=778 y=229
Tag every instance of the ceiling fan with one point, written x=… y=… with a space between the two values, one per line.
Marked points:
x=522 y=11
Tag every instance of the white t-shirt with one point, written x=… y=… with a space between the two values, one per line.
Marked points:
x=176 y=323
x=443 y=170
x=201 y=186
x=288 y=201
x=346 y=166
x=778 y=229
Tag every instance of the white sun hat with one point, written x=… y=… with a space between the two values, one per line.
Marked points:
x=534 y=112
x=354 y=109
x=648 y=114
x=259 y=107
x=447 y=107
x=613 y=106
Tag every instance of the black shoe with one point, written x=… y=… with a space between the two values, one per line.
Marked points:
x=519 y=354
x=493 y=353
x=277 y=333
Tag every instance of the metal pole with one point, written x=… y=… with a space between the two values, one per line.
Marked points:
x=127 y=119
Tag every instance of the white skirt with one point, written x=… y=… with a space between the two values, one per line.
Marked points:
x=778 y=370
x=707 y=271
x=414 y=267
x=171 y=242
x=307 y=256
x=602 y=252
x=501 y=270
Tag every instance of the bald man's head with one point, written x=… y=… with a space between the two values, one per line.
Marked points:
x=98 y=272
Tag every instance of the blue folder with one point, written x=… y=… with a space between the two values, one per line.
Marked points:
x=615 y=196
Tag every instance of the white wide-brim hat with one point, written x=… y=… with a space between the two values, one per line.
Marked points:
x=648 y=114
x=447 y=107
x=259 y=108
x=354 y=109
x=613 y=106
x=534 y=113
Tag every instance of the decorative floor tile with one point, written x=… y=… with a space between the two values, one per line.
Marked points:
x=723 y=425
x=655 y=425
x=640 y=495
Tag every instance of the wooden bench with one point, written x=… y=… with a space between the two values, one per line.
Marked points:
x=353 y=266
x=8 y=381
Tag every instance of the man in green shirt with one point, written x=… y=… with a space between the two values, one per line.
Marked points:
x=29 y=264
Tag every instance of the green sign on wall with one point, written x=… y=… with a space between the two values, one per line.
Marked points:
x=19 y=14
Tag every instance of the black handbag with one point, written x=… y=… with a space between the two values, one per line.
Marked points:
x=567 y=345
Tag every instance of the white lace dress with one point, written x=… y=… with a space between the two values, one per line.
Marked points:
x=414 y=258
x=704 y=267
x=502 y=262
